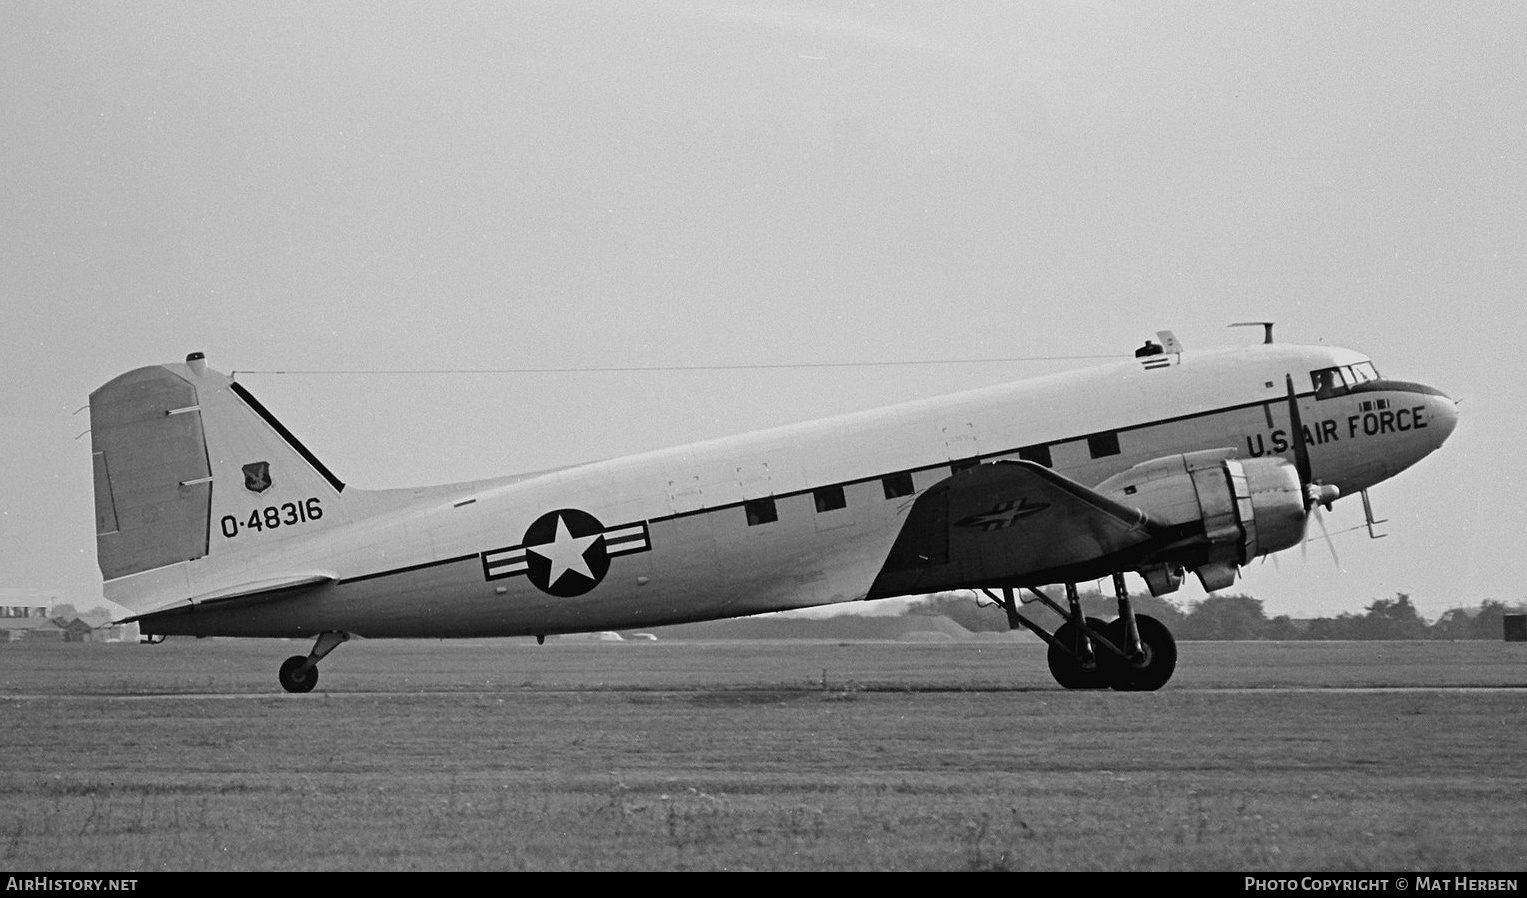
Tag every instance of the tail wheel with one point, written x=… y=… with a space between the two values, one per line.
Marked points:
x=1067 y=670
x=297 y=676
x=1152 y=671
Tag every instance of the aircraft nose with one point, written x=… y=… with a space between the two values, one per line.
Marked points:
x=1436 y=413
x=1443 y=414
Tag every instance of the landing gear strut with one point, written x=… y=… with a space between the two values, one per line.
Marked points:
x=1074 y=662
x=299 y=673
x=1149 y=651
x=1134 y=653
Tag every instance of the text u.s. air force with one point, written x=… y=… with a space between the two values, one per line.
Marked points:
x=1333 y=430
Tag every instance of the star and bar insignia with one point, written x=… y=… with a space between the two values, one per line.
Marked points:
x=566 y=552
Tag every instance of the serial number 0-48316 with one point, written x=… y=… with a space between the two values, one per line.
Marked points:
x=272 y=516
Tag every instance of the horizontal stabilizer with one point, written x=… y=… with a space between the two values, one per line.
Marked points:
x=275 y=584
x=271 y=588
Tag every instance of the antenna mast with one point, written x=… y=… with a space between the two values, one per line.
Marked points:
x=1265 y=325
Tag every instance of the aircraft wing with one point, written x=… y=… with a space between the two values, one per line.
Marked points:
x=1009 y=523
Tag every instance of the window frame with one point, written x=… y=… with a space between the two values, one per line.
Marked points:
x=829 y=498
x=760 y=511
x=898 y=481
x=1104 y=445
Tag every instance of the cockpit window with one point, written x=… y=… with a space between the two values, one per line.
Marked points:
x=1337 y=381
x=1328 y=382
x=1364 y=372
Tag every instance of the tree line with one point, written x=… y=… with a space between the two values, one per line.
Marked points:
x=1242 y=617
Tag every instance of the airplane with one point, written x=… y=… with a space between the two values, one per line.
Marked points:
x=213 y=519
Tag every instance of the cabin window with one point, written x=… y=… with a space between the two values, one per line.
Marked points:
x=1039 y=455
x=964 y=464
x=897 y=485
x=829 y=498
x=760 y=511
x=1103 y=444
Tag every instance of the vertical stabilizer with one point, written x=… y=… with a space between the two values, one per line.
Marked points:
x=197 y=484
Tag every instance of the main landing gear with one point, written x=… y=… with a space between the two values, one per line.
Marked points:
x=299 y=673
x=1133 y=653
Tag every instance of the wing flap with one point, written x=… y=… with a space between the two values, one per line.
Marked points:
x=1009 y=522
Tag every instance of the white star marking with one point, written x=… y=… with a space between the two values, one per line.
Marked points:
x=565 y=552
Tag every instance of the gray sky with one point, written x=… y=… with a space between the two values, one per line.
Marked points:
x=427 y=186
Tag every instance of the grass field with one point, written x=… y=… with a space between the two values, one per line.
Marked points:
x=760 y=755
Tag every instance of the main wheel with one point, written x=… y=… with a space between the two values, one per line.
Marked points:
x=1152 y=671
x=1066 y=669
x=296 y=676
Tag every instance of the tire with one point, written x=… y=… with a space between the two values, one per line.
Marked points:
x=1069 y=672
x=296 y=676
x=1160 y=656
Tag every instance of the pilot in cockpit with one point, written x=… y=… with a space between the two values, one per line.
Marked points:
x=1325 y=381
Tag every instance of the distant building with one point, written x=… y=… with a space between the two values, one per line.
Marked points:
x=75 y=629
x=103 y=628
x=13 y=629
x=24 y=614
x=16 y=597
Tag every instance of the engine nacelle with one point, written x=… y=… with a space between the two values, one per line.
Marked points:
x=1227 y=510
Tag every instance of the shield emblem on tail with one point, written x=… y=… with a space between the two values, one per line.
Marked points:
x=257 y=476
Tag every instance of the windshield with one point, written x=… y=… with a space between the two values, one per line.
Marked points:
x=1336 y=381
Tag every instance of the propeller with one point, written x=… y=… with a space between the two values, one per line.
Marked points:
x=1315 y=494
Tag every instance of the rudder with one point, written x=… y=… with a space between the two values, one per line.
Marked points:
x=153 y=483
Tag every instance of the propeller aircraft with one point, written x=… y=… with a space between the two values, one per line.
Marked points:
x=213 y=519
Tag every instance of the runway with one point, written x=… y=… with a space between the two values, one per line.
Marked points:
x=820 y=756
x=337 y=695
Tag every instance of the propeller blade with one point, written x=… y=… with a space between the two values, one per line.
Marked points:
x=1331 y=544
x=1301 y=451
